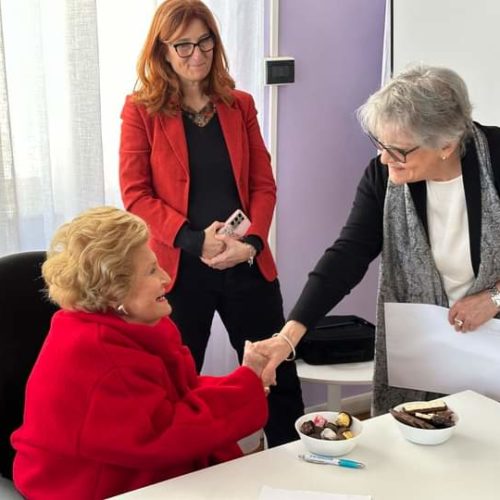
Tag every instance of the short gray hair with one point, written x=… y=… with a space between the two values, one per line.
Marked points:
x=428 y=102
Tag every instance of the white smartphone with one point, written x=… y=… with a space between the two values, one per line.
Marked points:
x=237 y=224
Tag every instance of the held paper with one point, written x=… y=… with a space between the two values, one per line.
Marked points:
x=424 y=352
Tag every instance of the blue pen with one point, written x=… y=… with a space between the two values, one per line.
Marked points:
x=322 y=459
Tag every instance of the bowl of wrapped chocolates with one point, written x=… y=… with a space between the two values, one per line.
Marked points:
x=425 y=422
x=329 y=433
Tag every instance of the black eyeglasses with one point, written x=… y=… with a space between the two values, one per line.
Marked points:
x=396 y=154
x=186 y=49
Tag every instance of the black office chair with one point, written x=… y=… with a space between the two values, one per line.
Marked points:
x=25 y=315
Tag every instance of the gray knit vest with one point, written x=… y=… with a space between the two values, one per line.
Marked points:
x=408 y=273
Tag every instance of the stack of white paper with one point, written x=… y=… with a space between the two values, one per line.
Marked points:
x=268 y=493
x=424 y=352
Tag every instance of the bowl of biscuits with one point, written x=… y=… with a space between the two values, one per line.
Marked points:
x=329 y=433
x=425 y=422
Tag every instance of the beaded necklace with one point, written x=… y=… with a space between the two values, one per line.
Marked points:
x=202 y=117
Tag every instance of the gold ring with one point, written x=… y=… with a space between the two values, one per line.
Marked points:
x=459 y=322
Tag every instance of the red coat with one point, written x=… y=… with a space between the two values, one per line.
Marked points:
x=154 y=174
x=113 y=406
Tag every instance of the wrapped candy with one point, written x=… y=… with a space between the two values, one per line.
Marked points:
x=307 y=428
x=320 y=428
x=343 y=419
x=329 y=434
x=320 y=421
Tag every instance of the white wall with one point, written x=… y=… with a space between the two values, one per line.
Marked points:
x=460 y=34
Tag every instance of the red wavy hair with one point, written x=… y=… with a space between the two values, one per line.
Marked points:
x=158 y=86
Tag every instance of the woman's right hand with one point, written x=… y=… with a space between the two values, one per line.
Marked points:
x=276 y=349
x=211 y=245
x=253 y=359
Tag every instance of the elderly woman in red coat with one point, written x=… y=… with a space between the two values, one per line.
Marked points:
x=114 y=402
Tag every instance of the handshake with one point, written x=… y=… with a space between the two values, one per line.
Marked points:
x=264 y=356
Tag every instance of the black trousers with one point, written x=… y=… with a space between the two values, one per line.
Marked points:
x=250 y=308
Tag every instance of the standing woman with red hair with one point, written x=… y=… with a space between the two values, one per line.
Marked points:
x=191 y=154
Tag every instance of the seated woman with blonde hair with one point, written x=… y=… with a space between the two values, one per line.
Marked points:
x=114 y=402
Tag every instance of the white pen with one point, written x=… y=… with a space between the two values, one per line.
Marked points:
x=322 y=459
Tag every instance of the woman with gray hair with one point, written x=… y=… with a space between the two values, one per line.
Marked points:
x=429 y=204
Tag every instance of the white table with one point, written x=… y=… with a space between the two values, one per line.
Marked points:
x=7 y=490
x=464 y=468
x=335 y=376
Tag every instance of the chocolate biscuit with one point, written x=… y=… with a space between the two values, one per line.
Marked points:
x=424 y=407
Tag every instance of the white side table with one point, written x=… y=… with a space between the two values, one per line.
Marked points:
x=335 y=376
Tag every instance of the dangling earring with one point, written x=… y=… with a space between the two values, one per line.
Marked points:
x=121 y=310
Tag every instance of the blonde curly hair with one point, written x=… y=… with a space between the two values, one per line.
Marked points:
x=89 y=264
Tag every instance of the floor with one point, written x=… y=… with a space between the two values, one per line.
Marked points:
x=363 y=416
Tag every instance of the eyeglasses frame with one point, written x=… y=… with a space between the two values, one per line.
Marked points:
x=193 y=45
x=403 y=152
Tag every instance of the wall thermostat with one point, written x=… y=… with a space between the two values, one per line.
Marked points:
x=280 y=70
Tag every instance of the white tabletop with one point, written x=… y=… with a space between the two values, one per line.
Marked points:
x=464 y=468
x=342 y=374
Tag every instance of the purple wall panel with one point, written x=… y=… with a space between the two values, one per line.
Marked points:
x=322 y=151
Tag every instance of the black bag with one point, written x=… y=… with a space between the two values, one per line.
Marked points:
x=338 y=339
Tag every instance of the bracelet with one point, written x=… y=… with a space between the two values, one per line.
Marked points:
x=253 y=253
x=293 y=354
x=495 y=296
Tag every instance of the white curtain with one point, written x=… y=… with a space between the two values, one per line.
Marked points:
x=242 y=29
x=387 y=50
x=65 y=68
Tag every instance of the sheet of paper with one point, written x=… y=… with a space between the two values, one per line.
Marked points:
x=425 y=352
x=268 y=493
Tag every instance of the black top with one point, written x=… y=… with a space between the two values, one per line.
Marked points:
x=344 y=264
x=213 y=194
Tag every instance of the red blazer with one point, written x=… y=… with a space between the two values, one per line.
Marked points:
x=154 y=174
x=113 y=406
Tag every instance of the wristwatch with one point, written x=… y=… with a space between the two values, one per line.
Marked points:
x=495 y=296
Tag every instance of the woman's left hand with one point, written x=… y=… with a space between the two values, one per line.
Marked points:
x=235 y=252
x=469 y=313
